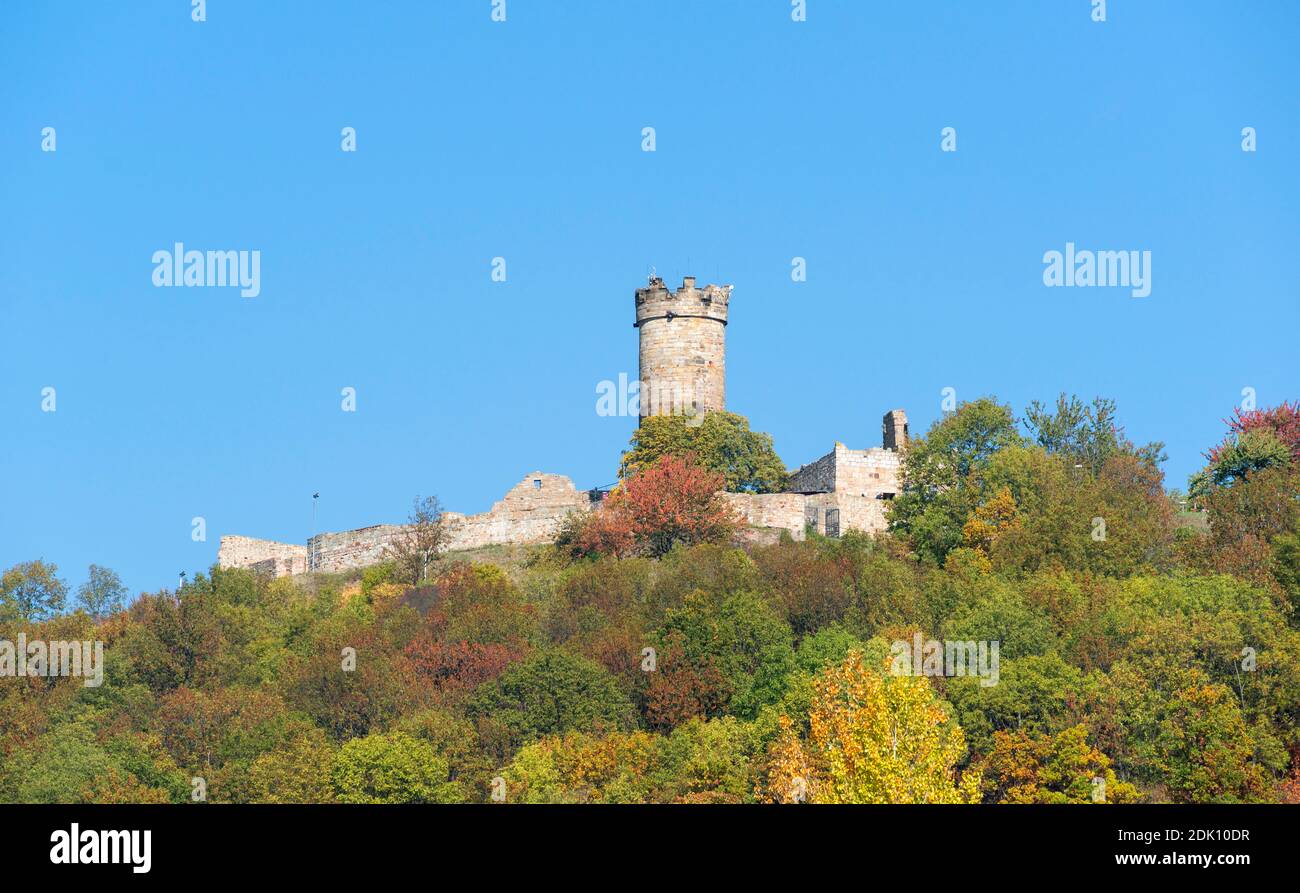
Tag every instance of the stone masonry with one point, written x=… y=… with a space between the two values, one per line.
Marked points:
x=843 y=490
x=530 y=513
x=682 y=347
x=682 y=369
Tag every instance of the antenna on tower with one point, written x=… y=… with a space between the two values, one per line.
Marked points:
x=652 y=273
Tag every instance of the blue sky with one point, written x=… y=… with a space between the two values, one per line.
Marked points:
x=774 y=139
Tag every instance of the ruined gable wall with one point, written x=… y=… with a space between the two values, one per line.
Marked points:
x=817 y=476
x=526 y=514
x=245 y=551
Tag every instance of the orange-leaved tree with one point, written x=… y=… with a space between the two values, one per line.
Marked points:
x=673 y=501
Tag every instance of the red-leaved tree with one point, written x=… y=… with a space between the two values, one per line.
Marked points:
x=1282 y=420
x=674 y=501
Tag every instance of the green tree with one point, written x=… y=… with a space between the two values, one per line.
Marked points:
x=742 y=637
x=391 y=768
x=1251 y=451
x=1087 y=434
x=720 y=441
x=938 y=492
x=32 y=590
x=102 y=593
x=299 y=771
x=550 y=693
x=64 y=765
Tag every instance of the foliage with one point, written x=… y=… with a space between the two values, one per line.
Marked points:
x=874 y=738
x=673 y=501
x=31 y=590
x=102 y=593
x=392 y=768
x=550 y=693
x=1062 y=768
x=719 y=441
x=417 y=546
x=659 y=662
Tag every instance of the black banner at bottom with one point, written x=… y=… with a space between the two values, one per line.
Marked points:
x=639 y=844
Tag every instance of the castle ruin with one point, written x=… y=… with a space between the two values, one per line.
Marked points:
x=682 y=358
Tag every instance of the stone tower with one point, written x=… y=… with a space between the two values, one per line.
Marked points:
x=894 y=429
x=683 y=347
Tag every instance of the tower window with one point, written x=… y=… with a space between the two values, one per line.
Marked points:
x=537 y=483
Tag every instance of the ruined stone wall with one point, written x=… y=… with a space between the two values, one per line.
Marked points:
x=866 y=472
x=682 y=347
x=782 y=511
x=857 y=484
x=531 y=512
x=855 y=512
x=817 y=476
x=244 y=551
x=281 y=567
x=893 y=430
x=330 y=553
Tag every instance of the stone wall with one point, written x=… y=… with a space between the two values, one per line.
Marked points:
x=779 y=511
x=817 y=476
x=280 y=567
x=866 y=472
x=333 y=552
x=244 y=551
x=531 y=512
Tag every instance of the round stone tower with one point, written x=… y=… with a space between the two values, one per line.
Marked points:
x=683 y=347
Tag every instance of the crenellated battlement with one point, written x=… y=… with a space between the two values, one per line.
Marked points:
x=657 y=301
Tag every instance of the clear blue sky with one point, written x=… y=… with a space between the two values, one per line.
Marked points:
x=775 y=139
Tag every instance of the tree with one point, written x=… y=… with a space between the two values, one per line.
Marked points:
x=1061 y=768
x=102 y=593
x=1257 y=439
x=873 y=739
x=580 y=768
x=738 y=636
x=1254 y=450
x=1283 y=421
x=720 y=441
x=296 y=772
x=392 y=768
x=938 y=492
x=681 y=688
x=674 y=501
x=1086 y=434
x=550 y=693
x=420 y=542
x=991 y=520
x=1244 y=520
x=32 y=590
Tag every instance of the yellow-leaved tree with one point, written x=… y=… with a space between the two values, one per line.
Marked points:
x=873 y=738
